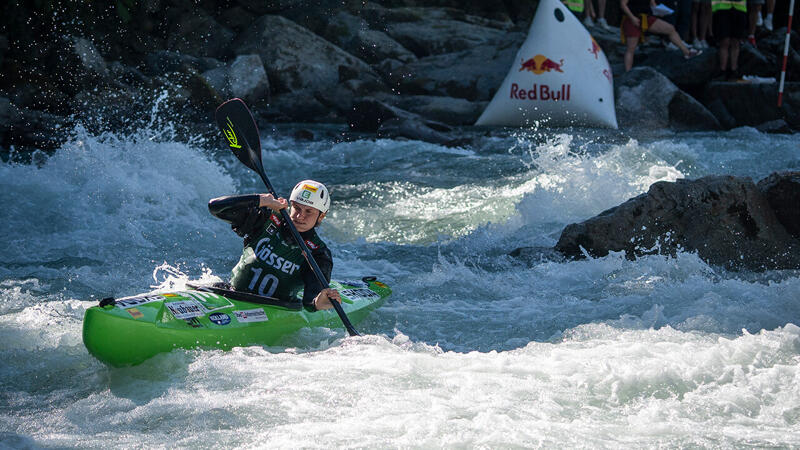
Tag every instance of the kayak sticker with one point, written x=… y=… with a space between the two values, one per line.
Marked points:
x=355 y=283
x=358 y=294
x=251 y=315
x=186 y=309
x=220 y=318
x=130 y=302
x=135 y=313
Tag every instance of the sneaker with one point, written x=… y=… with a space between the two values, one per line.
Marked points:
x=733 y=76
x=759 y=20
x=671 y=46
x=768 y=22
x=752 y=40
x=602 y=22
x=588 y=22
x=693 y=53
x=703 y=44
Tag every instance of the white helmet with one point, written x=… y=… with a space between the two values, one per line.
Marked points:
x=312 y=193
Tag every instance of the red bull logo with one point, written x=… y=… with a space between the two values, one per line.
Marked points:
x=541 y=92
x=540 y=64
x=596 y=50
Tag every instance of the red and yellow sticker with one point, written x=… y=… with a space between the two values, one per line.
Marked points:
x=135 y=313
x=308 y=187
x=379 y=284
x=170 y=295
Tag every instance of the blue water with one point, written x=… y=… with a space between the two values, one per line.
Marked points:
x=473 y=349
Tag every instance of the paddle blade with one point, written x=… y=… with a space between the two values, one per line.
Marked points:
x=239 y=128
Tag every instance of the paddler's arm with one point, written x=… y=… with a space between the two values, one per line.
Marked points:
x=245 y=213
x=313 y=297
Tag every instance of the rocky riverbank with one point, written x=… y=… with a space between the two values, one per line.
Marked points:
x=728 y=221
x=391 y=67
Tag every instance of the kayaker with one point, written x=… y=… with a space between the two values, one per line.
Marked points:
x=272 y=264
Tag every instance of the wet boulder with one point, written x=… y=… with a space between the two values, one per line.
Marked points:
x=391 y=122
x=199 y=34
x=244 y=78
x=645 y=98
x=431 y=36
x=473 y=74
x=727 y=220
x=353 y=35
x=782 y=190
x=753 y=104
x=448 y=110
x=298 y=60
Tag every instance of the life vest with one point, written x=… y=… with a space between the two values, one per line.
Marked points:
x=270 y=263
x=721 y=5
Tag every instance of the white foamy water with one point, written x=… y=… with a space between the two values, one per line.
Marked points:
x=473 y=349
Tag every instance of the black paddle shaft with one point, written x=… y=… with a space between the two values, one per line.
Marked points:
x=240 y=130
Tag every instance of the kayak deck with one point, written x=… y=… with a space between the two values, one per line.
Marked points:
x=131 y=330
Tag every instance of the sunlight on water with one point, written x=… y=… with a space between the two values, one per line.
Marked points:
x=473 y=349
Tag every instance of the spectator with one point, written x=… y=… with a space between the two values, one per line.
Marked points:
x=637 y=19
x=701 y=21
x=730 y=25
x=754 y=19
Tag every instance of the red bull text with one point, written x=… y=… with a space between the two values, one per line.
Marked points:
x=541 y=92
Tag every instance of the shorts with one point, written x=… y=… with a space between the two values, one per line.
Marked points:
x=729 y=23
x=632 y=31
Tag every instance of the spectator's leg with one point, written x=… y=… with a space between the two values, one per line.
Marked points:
x=705 y=21
x=753 y=11
x=734 y=54
x=630 y=48
x=770 y=10
x=601 y=6
x=695 y=12
x=662 y=27
x=723 y=53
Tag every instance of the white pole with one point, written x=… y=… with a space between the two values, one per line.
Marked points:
x=785 y=52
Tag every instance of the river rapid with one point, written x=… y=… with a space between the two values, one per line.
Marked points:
x=473 y=349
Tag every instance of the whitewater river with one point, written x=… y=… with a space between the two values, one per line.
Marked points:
x=473 y=349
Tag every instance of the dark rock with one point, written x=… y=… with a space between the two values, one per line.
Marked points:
x=389 y=121
x=687 y=74
x=726 y=220
x=244 y=78
x=303 y=135
x=448 y=110
x=164 y=62
x=782 y=191
x=775 y=127
x=473 y=74
x=353 y=35
x=637 y=106
x=236 y=18
x=297 y=59
x=3 y=48
x=29 y=130
x=755 y=103
x=437 y=36
x=299 y=106
x=753 y=62
x=411 y=128
x=200 y=35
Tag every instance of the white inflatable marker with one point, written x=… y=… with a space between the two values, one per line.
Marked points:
x=560 y=77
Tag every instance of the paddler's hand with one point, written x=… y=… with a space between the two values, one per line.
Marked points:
x=270 y=202
x=323 y=299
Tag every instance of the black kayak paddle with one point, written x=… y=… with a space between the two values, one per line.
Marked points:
x=237 y=124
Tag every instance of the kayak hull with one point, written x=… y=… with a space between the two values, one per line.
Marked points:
x=134 y=329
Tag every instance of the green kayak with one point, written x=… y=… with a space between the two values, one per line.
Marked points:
x=127 y=331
